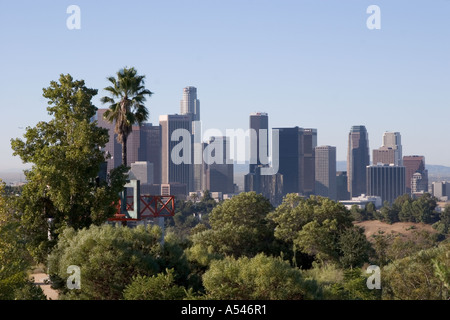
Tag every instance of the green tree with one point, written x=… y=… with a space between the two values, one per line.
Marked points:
x=418 y=276
x=159 y=287
x=15 y=260
x=239 y=226
x=311 y=226
x=443 y=225
x=388 y=213
x=357 y=213
x=66 y=153
x=108 y=257
x=126 y=104
x=370 y=211
x=423 y=209
x=405 y=214
x=354 y=247
x=257 y=278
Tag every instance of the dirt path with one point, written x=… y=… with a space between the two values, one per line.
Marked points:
x=39 y=279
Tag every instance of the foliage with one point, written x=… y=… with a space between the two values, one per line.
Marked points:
x=239 y=226
x=29 y=291
x=407 y=209
x=341 y=284
x=354 y=247
x=159 y=287
x=128 y=109
x=108 y=258
x=257 y=278
x=14 y=258
x=443 y=225
x=421 y=276
x=190 y=213
x=315 y=226
x=66 y=153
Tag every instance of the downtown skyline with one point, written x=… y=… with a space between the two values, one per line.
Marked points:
x=305 y=64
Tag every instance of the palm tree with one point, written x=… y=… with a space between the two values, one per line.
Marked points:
x=127 y=97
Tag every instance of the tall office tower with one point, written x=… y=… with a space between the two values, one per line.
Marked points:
x=391 y=150
x=270 y=186
x=386 y=181
x=289 y=158
x=441 y=189
x=296 y=159
x=190 y=104
x=307 y=161
x=143 y=144
x=176 y=156
x=152 y=152
x=342 y=185
x=258 y=121
x=419 y=183
x=383 y=155
x=142 y=171
x=394 y=140
x=415 y=164
x=219 y=166
x=357 y=160
x=325 y=168
x=112 y=147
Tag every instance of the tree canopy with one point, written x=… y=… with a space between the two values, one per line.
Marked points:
x=66 y=154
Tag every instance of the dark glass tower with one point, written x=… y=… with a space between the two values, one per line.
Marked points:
x=357 y=160
x=258 y=121
x=297 y=159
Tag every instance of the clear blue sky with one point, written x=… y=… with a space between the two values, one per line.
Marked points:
x=311 y=63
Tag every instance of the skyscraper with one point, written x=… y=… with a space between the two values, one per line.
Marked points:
x=307 y=161
x=176 y=164
x=441 y=189
x=190 y=104
x=259 y=123
x=143 y=144
x=219 y=169
x=391 y=150
x=394 y=140
x=297 y=159
x=386 y=181
x=112 y=146
x=270 y=186
x=415 y=164
x=342 y=185
x=289 y=158
x=325 y=172
x=357 y=160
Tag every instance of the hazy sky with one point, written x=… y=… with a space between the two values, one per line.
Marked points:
x=312 y=64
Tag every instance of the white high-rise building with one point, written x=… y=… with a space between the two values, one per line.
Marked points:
x=394 y=140
x=190 y=104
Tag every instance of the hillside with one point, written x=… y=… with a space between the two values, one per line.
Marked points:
x=402 y=228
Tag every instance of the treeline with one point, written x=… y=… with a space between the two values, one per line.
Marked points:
x=246 y=249
x=407 y=209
